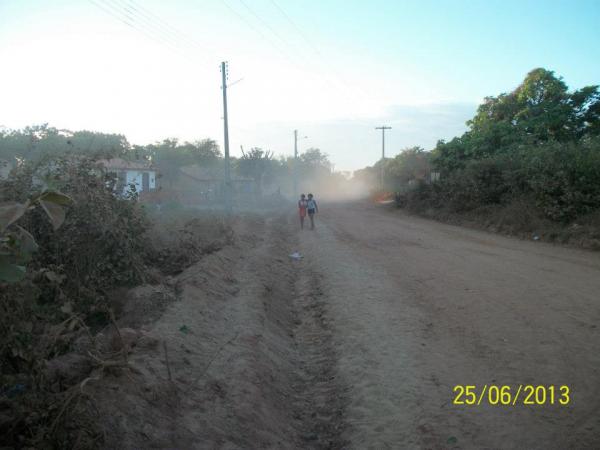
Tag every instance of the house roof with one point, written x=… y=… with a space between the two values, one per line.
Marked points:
x=119 y=163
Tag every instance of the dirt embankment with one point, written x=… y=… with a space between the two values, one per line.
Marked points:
x=522 y=219
x=243 y=358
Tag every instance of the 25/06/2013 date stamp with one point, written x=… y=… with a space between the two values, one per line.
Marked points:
x=505 y=395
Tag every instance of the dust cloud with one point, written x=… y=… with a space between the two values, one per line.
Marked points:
x=335 y=188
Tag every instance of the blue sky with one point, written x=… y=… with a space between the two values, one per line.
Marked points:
x=332 y=69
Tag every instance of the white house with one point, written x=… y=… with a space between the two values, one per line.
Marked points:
x=141 y=174
x=5 y=168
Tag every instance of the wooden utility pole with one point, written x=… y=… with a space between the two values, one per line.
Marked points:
x=295 y=168
x=382 y=128
x=227 y=180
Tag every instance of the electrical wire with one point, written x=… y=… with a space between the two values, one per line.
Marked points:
x=297 y=28
x=336 y=75
x=263 y=22
x=114 y=12
x=132 y=20
x=250 y=25
x=178 y=34
x=333 y=79
x=283 y=53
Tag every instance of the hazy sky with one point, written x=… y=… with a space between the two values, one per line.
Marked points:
x=332 y=69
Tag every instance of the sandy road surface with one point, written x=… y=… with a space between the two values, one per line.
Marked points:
x=359 y=344
x=418 y=307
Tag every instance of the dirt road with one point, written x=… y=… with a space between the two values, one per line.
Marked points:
x=419 y=307
x=360 y=344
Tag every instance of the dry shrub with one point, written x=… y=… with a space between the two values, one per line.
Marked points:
x=106 y=244
x=180 y=240
x=100 y=246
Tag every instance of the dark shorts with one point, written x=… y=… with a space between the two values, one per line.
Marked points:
x=310 y=211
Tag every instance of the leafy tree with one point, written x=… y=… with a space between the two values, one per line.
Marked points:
x=410 y=164
x=538 y=141
x=315 y=159
x=38 y=141
x=256 y=164
x=169 y=155
x=540 y=109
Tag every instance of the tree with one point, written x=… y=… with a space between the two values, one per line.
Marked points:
x=38 y=141
x=169 y=155
x=410 y=164
x=256 y=164
x=314 y=158
x=540 y=109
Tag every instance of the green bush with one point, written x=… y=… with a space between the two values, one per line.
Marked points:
x=540 y=141
x=480 y=182
x=565 y=178
x=100 y=245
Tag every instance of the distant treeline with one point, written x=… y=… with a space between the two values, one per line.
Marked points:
x=539 y=144
x=42 y=142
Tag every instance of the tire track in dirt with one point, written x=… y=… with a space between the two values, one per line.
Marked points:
x=319 y=403
x=250 y=352
x=412 y=321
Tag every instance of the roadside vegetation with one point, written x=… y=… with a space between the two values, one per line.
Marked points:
x=73 y=248
x=529 y=164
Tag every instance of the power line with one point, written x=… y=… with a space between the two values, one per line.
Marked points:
x=266 y=25
x=336 y=80
x=151 y=17
x=254 y=28
x=335 y=73
x=132 y=20
x=334 y=84
x=134 y=15
x=117 y=14
x=298 y=30
x=263 y=22
x=283 y=53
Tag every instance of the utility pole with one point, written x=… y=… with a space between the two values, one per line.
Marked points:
x=382 y=128
x=295 y=168
x=227 y=181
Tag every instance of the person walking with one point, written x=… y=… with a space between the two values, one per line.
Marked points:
x=311 y=208
x=302 y=205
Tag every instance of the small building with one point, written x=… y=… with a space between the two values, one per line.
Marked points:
x=199 y=184
x=434 y=177
x=5 y=168
x=140 y=174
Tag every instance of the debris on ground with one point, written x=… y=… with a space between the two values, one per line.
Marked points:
x=296 y=256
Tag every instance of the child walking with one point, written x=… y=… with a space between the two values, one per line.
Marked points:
x=302 y=205
x=312 y=209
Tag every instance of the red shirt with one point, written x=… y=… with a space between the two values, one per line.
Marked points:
x=302 y=204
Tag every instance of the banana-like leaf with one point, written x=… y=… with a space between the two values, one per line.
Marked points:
x=9 y=272
x=28 y=243
x=55 y=212
x=56 y=197
x=26 y=246
x=10 y=212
